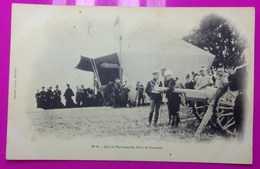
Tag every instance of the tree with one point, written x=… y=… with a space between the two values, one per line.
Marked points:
x=218 y=36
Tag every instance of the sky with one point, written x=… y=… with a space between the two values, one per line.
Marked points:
x=47 y=41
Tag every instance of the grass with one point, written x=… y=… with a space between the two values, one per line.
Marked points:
x=109 y=122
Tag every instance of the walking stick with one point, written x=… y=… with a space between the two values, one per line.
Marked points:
x=161 y=113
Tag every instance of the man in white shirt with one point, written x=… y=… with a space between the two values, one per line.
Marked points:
x=204 y=80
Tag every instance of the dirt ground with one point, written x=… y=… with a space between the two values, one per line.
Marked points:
x=109 y=122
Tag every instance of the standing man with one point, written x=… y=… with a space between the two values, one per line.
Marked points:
x=78 y=96
x=57 y=98
x=124 y=95
x=137 y=88
x=141 y=95
x=38 y=97
x=155 y=95
x=85 y=98
x=49 y=98
x=43 y=98
x=117 y=91
x=68 y=94
x=174 y=100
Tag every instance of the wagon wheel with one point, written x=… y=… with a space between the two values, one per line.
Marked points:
x=225 y=114
x=199 y=109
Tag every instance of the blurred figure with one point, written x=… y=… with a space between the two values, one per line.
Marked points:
x=109 y=94
x=137 y=88
x=189 y=84
x=68 y=94
x=38 y=98
x=179 y=84
x=124 y=95
x=43 y=98
x=221 y=78
x=117 y=90
x=141 y=95
x=99 y=99
x=78 y=96
x=204 y=80
x=49 y=98
x=85 y=96
x=57 y=98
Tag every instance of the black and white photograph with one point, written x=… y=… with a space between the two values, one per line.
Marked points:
x=131 y=84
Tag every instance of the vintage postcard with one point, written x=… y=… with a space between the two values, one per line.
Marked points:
x=131 y=84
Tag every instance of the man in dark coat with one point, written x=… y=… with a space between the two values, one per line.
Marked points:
x=38 y=97
x=239 y=83
x=57 y=98
x=68 y=94
x=79 y=96
x=124 y=95
x=174 y=101
x=85 y=96
x=141 y=95
x=117 y=90
x=49 y=98
x=155 y=95
x=43 y=98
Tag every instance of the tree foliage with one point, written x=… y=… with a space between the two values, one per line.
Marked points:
x=218 y=36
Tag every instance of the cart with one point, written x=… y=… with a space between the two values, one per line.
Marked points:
x=216 y=108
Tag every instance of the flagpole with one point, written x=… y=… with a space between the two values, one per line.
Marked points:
x=120 y=55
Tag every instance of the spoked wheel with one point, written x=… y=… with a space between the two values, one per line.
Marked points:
x=225 y=112
x=199 y=109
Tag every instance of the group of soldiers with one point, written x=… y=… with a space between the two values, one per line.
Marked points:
x=49 y=99
x=52 y=99
x=156 y=88
x=116 y=94
x=86 y=97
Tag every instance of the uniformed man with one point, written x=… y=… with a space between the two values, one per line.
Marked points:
x=155 y=95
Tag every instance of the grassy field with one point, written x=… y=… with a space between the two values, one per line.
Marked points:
x=109 y=122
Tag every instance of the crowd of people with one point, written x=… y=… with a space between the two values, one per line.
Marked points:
x=51 y=99
x=155 y=89
x=115 y=94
